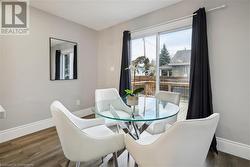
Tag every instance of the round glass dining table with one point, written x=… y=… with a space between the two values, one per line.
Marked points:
x=135 y=119
x=149 y=109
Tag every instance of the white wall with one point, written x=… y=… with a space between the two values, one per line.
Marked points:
x=25 y=87
x=229 y=52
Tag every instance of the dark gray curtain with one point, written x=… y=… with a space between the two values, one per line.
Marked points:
x=75 y=63
x=200 y=100
x=125 y=73
x=57 y=64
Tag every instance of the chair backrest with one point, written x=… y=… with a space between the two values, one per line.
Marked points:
x=172 y=97
x=106 y=97
x=72 y=139
x=186 y=143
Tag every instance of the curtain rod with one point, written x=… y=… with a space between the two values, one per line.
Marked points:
x=177 y=19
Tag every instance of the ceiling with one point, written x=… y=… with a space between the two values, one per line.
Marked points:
x=100 y=14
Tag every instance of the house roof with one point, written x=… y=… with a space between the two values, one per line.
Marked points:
x=181 y=57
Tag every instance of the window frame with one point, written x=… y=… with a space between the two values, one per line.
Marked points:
x=157 y=31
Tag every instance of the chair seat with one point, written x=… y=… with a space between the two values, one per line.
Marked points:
x=110 y=122
x=147 y=138
x=98 y=131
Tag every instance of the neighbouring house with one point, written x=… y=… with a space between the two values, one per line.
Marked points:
x=175 y=75
x=179 y=65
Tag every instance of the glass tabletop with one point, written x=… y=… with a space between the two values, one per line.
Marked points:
x=148 y=109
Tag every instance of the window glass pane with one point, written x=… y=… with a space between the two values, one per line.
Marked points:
x=174 y=64
x=137 y=48
x=144 y=64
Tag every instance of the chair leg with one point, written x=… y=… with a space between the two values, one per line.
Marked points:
x=67 y=165
x=115 y=159
x=78 y=164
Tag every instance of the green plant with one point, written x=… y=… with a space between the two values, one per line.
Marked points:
x=130 y=92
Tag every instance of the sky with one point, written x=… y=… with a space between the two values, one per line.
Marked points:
x=174 y=41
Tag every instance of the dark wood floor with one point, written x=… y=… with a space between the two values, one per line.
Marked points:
x=42 y=149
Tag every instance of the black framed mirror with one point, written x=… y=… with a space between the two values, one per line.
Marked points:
x=63 y=59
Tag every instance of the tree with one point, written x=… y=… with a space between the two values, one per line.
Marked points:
x=164 y=56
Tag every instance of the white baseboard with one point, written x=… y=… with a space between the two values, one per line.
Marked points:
x=23 y=130
x=83 y=113
x=234 y=148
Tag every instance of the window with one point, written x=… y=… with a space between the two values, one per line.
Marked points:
x=174 y=61
x=144 y=63
x=166 y=68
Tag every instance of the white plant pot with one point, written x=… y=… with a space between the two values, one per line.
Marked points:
x=132 y=100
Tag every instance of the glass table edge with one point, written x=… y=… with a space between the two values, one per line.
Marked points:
x=135 y=120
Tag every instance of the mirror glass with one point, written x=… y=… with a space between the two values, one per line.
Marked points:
x=63 y=59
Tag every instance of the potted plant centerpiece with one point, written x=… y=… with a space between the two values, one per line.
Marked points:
x=132 y=96
x=140 y=65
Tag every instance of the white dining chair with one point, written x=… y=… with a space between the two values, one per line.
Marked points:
x=108 y=99
x=186 y=143
x=160 y=126
x=84 y=140
x=172 y=97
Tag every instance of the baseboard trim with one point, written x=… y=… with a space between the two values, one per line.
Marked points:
x=234 y=148
x=23 y=130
